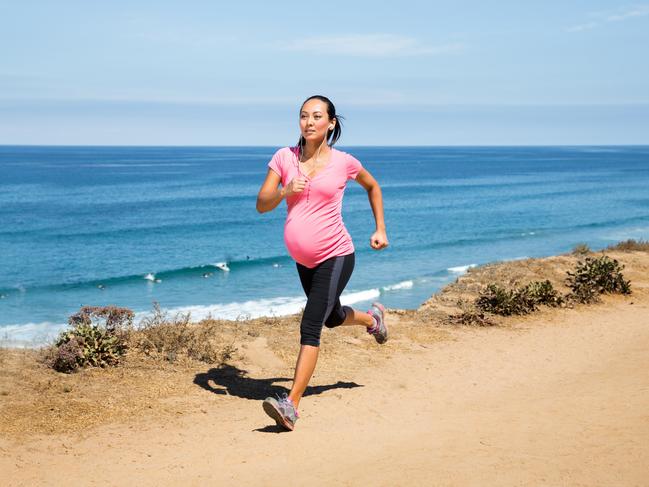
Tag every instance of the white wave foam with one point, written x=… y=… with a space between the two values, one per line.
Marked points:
x=461 y=269
x=237 y=310
x=279 y=306
x=355 y=297
x=222 y=265
x=30 y=335
x=400 y=285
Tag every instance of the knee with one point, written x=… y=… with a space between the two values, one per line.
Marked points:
x=310 y=333
x=332 y=321
x=337 y=317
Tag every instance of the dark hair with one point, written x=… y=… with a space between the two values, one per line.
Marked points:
x=334 y=134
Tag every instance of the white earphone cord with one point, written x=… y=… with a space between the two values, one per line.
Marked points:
x=324 y=141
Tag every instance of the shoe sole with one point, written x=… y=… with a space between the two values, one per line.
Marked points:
x=382 y=308
x=274 y=413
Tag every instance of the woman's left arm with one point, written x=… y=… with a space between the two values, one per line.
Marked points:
x=379 y=239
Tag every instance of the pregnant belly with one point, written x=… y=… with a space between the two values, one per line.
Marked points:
x=311 y=242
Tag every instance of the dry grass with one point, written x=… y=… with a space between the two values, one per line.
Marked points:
x=630 y=246
x=581 y=249
x=39 y=400
x=154 y=376
x=176 y=338
x=471 y=317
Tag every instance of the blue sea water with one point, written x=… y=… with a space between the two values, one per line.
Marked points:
x=177 y=225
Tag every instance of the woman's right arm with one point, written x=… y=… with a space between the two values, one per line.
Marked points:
x=270 y=195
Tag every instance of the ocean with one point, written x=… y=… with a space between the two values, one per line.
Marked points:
x=131 y=226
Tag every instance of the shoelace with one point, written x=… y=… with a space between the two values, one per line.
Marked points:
x=376 y=328
x=285 y=402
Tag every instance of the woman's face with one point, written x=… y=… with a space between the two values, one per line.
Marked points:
x=314 y=120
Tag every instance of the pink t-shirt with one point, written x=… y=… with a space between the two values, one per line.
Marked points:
x=314 y=230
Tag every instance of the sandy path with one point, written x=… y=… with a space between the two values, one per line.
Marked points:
x=562 y=399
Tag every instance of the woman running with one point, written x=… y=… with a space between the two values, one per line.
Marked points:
x=313 y=176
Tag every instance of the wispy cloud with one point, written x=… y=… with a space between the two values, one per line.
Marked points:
x=601 y=18
x=638 y=11
x=582 y=27
x=369 y=45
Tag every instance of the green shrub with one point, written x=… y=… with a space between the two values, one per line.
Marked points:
x=98 y=338
x=523 y=300
x=542 y=292
x=500 y=301
x=593 y=277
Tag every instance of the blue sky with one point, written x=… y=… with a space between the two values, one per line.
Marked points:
x=402 y=73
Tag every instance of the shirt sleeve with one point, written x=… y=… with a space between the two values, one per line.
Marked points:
x=354 y=166
x=276 y=163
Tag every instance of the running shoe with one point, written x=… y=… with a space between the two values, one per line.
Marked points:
x=379 y=330
x=282 y=411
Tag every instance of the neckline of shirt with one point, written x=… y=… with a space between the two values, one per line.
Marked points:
x=332 y=149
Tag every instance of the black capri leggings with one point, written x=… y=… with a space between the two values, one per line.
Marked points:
x=323 y=285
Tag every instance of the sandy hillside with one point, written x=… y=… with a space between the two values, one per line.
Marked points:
x=558 y=397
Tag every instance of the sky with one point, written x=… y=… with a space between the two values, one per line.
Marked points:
x=401 y=73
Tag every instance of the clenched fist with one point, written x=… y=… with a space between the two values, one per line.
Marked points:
x=379 y=240
x=296 y=185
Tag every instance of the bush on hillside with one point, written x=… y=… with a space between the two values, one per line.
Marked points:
x=595 y=276
x=98 y=338
x=520 y=301
x=542 y=292
x=505 y=302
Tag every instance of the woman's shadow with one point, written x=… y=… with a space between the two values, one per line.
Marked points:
x=227 y=379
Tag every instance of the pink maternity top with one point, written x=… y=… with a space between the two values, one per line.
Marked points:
x=314 y=230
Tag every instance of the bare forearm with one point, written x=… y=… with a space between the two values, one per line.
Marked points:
x=376 y=202
x=268 y=201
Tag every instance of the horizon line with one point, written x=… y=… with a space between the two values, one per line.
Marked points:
x=207 y=146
